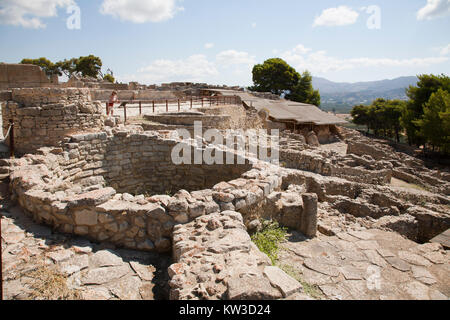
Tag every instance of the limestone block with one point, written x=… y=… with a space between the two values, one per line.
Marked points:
x=196 y=210
x=251 y=288
x=85 y=218
x=283 y=282
x=92 y=198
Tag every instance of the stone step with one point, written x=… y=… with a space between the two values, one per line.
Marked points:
x=4 y=162
x=443 y=239
x=4 y=176
x=4 y=170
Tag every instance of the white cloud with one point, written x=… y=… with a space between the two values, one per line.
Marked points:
x=209 y=45
x=194 y=68
x=254 y=25
x=340 y=16
x=321 y=62
x=300 y=49
x=445 y=50
x=29 y=14
x=434 y=9
x=233 y=57
x=141 y=11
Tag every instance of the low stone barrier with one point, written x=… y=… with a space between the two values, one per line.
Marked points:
x=327 y=166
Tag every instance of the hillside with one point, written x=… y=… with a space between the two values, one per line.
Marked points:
x=342 y=96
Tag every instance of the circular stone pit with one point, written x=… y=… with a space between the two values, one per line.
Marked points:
x=86 y=187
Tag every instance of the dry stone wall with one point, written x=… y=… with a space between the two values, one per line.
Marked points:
x=44 y=116
x=404 y=166
x=70 y=189
x=336 y=166
x=141 y=163
x=418 y=215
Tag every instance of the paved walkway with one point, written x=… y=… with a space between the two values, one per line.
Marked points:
x=369 y=265
x=41 y=264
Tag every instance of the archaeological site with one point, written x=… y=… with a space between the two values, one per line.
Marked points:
x=96 y=207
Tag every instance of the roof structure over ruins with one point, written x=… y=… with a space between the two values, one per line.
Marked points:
x=285 y=110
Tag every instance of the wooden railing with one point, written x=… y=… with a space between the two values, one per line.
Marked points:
x=202 y=101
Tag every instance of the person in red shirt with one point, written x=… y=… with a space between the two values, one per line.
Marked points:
x=112 y=99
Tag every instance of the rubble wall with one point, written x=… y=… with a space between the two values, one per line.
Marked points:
x=216 y=260
x=142 y=163
x=44 y=116
x=313 y=162
x=67 y=188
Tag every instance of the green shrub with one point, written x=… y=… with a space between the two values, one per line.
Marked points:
x=270 y=237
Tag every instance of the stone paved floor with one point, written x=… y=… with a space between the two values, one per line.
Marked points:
x=40 y=264
x=369 y=265
x=362 y=264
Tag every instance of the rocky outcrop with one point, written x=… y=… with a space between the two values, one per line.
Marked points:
x=215 y=259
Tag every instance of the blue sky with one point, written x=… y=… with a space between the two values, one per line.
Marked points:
x=154 y=41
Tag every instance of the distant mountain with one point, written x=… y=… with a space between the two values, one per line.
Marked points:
x=342 y=96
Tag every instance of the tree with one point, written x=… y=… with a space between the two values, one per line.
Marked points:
x=392 y=112
x=89 y=66
x=304 y=92
x=275 y=76
x=434 y=125
x=68 y=67
x=361 y=116
x=109 y=78
x=418 y=96
x=382 y=116
x=46 y=65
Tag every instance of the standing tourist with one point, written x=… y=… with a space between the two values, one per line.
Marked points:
x=112 y=99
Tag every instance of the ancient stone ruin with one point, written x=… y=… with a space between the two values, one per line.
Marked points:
x=116 y=184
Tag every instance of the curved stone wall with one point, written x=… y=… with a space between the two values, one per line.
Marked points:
x=70 y=189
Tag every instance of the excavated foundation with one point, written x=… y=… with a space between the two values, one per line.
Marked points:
x=123 y=187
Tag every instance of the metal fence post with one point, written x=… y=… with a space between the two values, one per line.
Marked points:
x=153 y=103
x=140 y=107
x=125 y=113
x=167 y=106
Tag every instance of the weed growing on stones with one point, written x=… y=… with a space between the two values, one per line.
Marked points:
x=270 y=237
